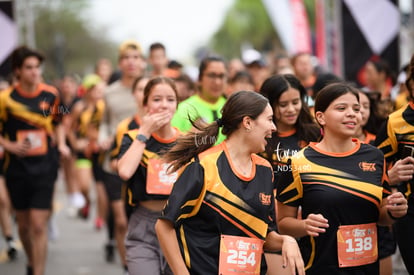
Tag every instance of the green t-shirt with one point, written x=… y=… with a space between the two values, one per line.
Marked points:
x=195 y=108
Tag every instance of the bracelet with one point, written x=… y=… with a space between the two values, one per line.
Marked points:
x=391 y=216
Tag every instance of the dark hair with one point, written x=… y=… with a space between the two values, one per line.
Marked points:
x=374 y=120
x=242 y=76
x=409 y=82
x=155 y=81
x=331 y=92
x=380 y=66
x=185 y=78
x=156 y=46
x=272 y=88
x=322 y=80
x=205 y=62
x=19 y=55
x=136 y=81
x=238 y=106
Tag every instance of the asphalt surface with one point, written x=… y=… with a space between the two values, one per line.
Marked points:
x=77 y=250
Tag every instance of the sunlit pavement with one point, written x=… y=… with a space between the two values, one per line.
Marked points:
x=78 y=249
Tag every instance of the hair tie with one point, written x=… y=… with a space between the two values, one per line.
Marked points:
x=219 y=122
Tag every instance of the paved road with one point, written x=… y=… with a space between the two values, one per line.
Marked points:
x=78 y=250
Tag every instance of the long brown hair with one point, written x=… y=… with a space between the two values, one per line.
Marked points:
x=238 y=106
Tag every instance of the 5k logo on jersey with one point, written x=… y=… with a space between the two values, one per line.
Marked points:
x=265 y=199
x=367 y=166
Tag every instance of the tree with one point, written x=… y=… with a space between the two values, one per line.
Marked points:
x=246 y=23
x=68 y=41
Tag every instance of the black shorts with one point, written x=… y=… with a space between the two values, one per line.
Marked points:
x=97 y=170
x=113 y=185
x=31 y=192
x=386 y=242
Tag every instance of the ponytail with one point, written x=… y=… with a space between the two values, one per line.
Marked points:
x=193 y=143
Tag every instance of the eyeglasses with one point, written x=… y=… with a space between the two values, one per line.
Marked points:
x=216 y=76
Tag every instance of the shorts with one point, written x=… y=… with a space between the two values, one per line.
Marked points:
x=83 y=163
x=113 y=186
x=386 y=242
x=34 y=192
x=97 y=170
x=143 y=252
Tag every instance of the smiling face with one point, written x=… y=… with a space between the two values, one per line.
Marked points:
x=261 y=129
x=342 y=116
x=161 y=98
x=287 y=110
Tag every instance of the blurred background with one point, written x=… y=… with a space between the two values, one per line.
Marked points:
x=342 y=35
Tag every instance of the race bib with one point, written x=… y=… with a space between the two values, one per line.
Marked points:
x=159 y=182
x=240 y=255
x=37 y=140
x=357 y=244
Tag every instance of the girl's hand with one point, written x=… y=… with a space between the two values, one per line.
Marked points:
x=292 y=258
x=397 y=205
x=315 y=224
x=153 y=121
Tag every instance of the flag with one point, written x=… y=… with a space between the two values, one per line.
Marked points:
x=8 y=34
x=290 y=20
x=370 y=30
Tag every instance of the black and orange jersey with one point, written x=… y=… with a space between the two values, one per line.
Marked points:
x=397 y=132
x=90 y=117
x=124 y=126
x=31 y=116
x=137 y=185
x=346 y=188
x=369 y=138
x=287 y=145
x=211 y=198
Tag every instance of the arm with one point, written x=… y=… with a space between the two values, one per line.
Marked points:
x=292 y=257
x=288 y=223
x=17 y=148
x=129 y=161
x=60 y=132
x=169 y=245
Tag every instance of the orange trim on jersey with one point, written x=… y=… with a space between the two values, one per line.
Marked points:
x=411 y=104
x=214 y=149
x=287 y=133
x=369 y=137
x=248 y=233
x=343 y=154
x=407 y=142
x=169 y=140
x=40 y=87
x=347 y=190
x=233 y=167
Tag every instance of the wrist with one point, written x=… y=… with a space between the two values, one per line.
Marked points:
x=391 y=216
x=288 y=239
x=141 y=138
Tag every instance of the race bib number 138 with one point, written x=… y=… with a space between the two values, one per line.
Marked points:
x=357 y=244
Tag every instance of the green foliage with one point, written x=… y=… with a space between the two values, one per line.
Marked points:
x=68 y=40
x=247 y=23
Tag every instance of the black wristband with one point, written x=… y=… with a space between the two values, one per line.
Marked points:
x=391 y=216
